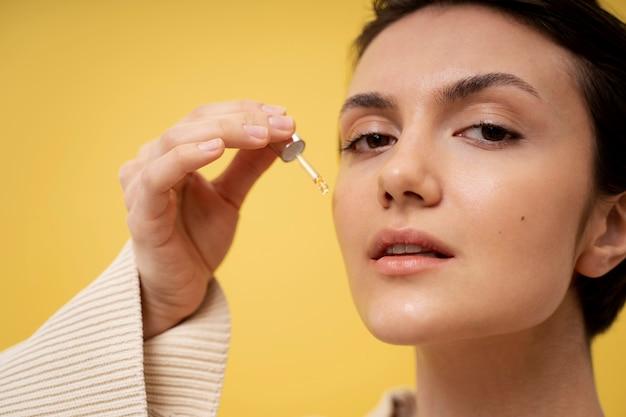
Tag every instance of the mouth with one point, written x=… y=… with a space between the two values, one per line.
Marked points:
x=407 y=252
x=405 y=243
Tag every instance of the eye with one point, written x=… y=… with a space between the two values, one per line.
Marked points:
x=367 y=141
x=489 y=133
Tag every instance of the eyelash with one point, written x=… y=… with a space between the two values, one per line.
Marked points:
x=510 y=136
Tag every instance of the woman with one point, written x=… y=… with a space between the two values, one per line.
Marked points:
x=479 y=207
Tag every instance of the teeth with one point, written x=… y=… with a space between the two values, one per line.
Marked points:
x=400 y=249
x=413 y=249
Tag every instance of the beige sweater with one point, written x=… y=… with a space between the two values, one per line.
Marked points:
x=89 y=358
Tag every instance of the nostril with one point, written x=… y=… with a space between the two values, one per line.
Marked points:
x=411 y=194
x=388 y=196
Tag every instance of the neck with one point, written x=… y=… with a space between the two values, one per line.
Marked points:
x=542 y=371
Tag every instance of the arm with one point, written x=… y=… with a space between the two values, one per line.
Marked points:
x=89 y=358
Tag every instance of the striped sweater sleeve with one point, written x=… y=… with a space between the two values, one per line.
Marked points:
x=397 y=401
x=89 y=358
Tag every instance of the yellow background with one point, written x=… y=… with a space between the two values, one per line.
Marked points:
x=84 y=84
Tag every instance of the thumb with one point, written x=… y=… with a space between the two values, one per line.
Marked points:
x=242 y=172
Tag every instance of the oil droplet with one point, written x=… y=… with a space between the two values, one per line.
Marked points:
x=321 y=184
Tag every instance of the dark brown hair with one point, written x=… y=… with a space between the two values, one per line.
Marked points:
x=597 y=40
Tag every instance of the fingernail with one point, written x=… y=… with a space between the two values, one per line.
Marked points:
x=259 y=132
x=270 y=108
x=281 y=122
x=211 y=145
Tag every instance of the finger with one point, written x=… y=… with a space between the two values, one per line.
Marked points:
x=247 y=130
x=234 y=106
x=152 y=150
x=242 y=172
x=149 y=150
x=164 y=173
x=127 y=172
x=130 y=194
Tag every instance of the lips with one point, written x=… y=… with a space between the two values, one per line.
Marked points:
x=389 y=237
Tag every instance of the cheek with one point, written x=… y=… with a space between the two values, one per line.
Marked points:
x=519 y=231
x=349 y=212
x=356 y=218
x=514 y=227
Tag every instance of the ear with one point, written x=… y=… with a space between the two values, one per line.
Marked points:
x=605 y=245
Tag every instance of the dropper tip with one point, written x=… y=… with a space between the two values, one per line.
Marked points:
x=321 y=184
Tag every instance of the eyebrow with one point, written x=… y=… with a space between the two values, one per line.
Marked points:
x=471 y=85
x=370 y=100
x=457 y=90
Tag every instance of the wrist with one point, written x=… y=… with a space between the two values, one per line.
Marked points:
x=154 y=325
x=159 y=316
x=156 y=319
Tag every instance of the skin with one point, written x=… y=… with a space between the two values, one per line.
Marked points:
x=497 y=330
x=182 y=224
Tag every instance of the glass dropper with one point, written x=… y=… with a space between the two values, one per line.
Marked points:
x=292 y=149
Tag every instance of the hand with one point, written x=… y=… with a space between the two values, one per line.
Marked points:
x=181 y=224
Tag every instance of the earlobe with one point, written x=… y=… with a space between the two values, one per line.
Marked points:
x=606 y=246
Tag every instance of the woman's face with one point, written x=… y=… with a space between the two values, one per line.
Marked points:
x=509 y=206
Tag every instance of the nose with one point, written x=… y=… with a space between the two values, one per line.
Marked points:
x=409 y=175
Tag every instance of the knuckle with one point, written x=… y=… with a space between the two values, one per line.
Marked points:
x=147 y=147
x=201 y=110
x=126 y=171
x=180 y=160
x=144 y=150
x=259 y=118
x=179 y=155
x=147 y=179
x=169 y=138
x=223 y=127
x=251 y=118
x=247 y=118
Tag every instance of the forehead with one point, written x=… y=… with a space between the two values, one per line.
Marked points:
x=439 y=44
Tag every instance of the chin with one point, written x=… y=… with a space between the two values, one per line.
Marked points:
x=398 y=329
x=413 y=322
x=400 y=322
